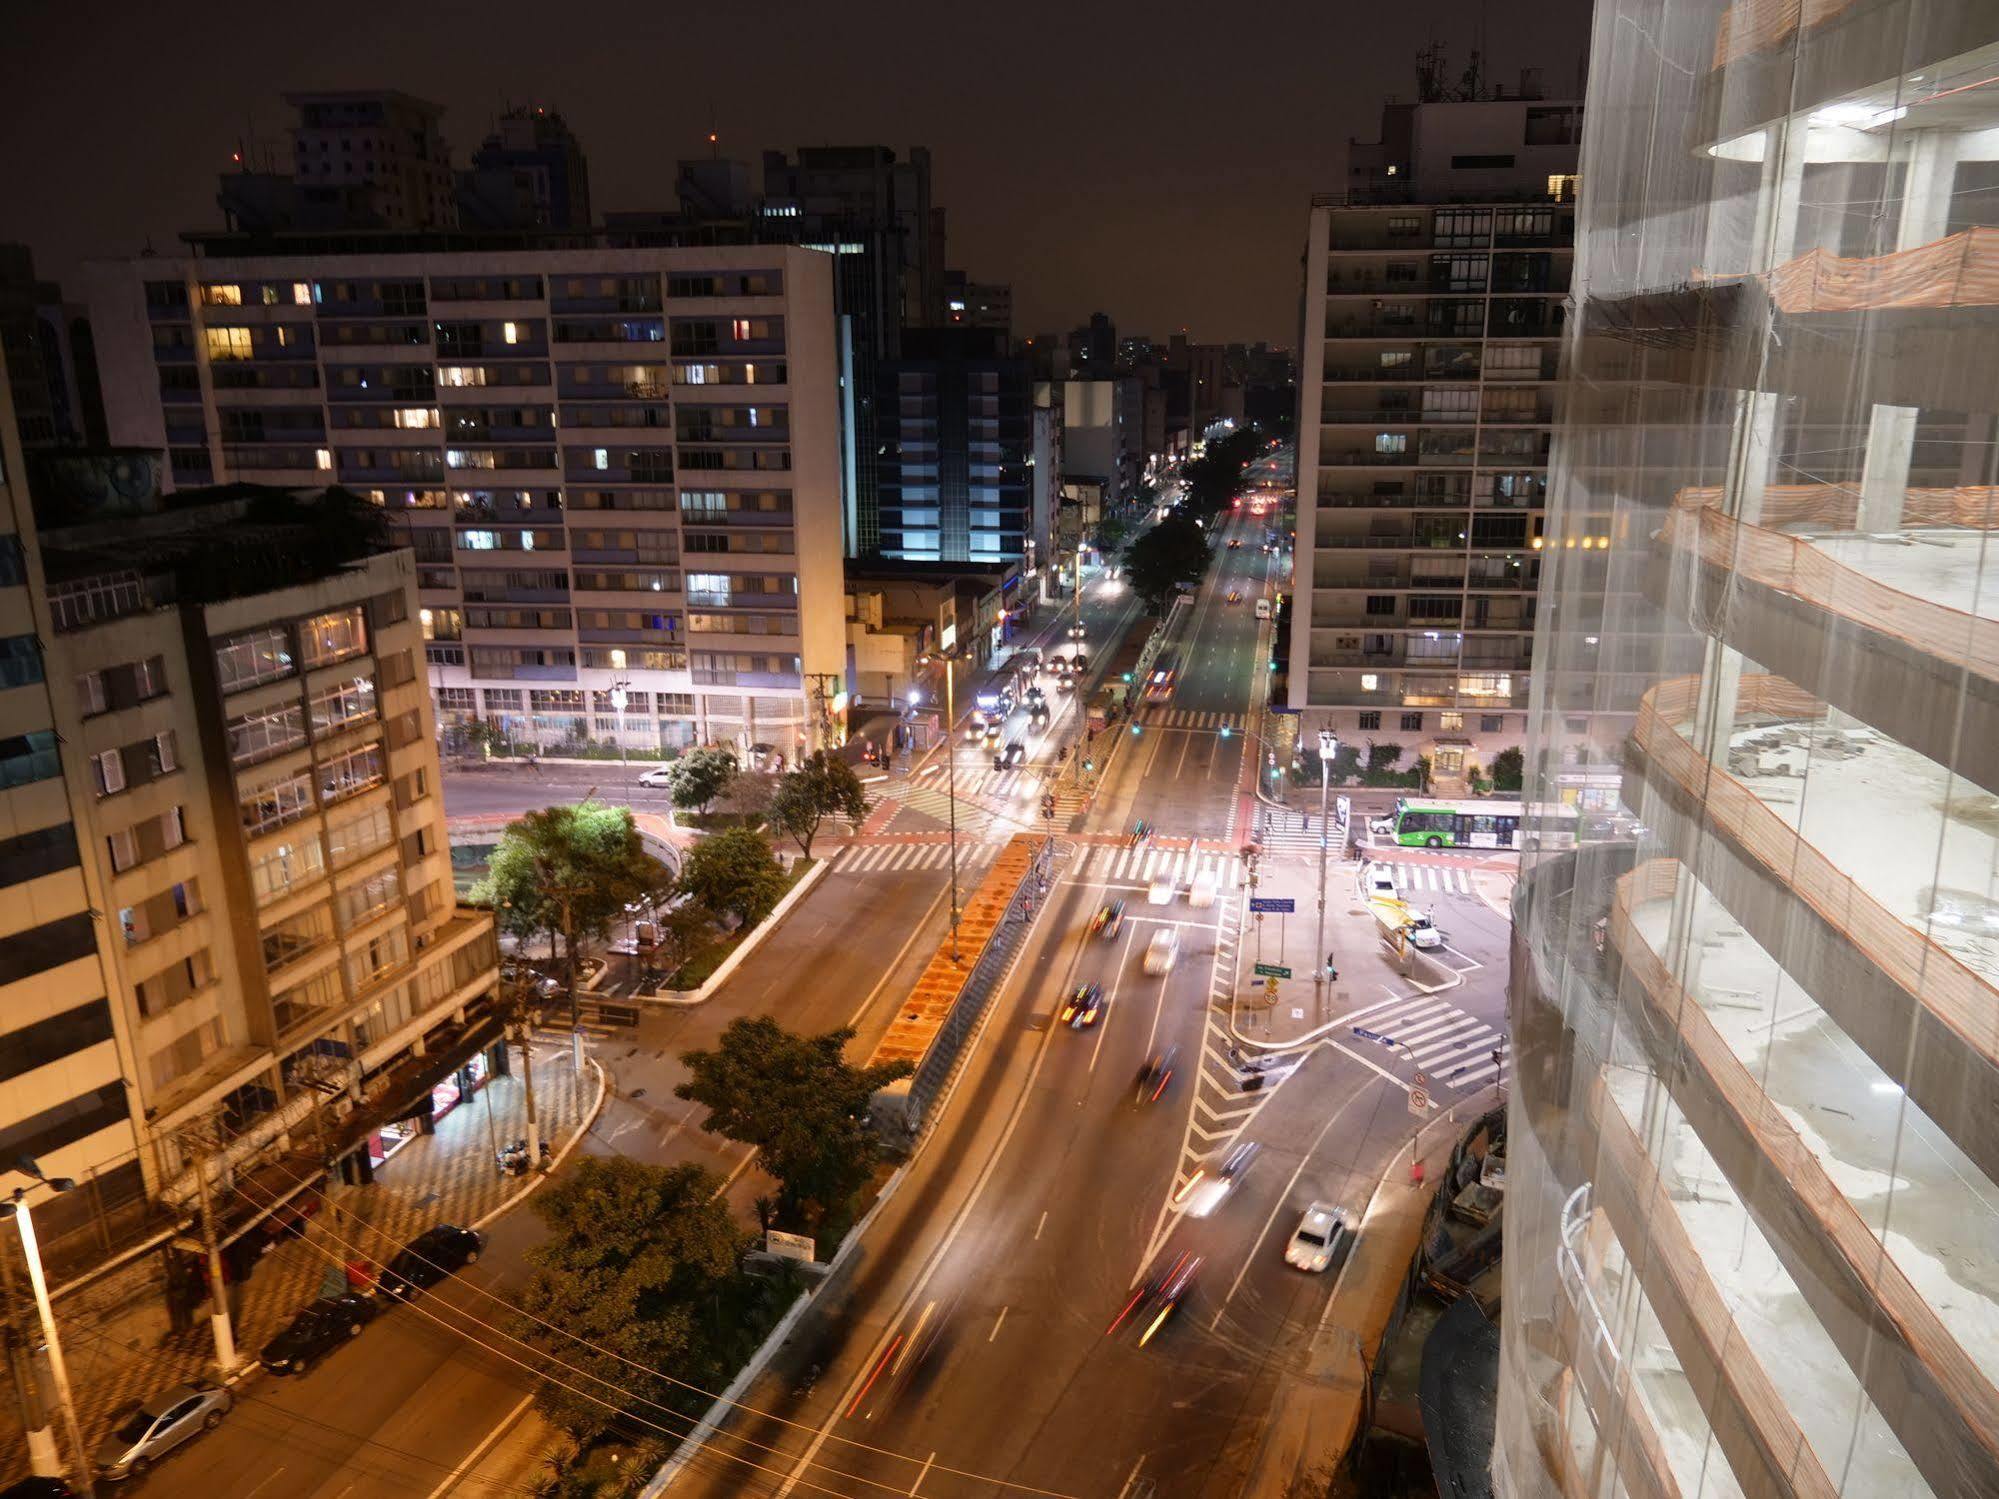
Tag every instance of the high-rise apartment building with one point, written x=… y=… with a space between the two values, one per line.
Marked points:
x=232 y=903
x=381 y=143
x=618 y=468
x=530 y=173
x=1753 y=1169
x=956 y=438
x=1426 y=389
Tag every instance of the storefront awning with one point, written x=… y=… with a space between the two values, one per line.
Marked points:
x=409 y=1098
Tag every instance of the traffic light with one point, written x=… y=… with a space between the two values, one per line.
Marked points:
x=1135 y=731
x=1127 y=676
x=1225 y=731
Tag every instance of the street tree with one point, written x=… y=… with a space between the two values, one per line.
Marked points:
x=799 y=1102
x=569 y=873
x=636 y=1259
x=699 y=776
x=823 y=786
x=1162 y=560
x=1508 y=769
x=734 y=873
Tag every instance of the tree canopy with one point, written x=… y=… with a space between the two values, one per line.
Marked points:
x=584 y=862
x=822 y=786
x=734 y=873
x=798 y=1101
x=636 y=1258
x=1171 y=554
x=1214 y=478
x=699 y=776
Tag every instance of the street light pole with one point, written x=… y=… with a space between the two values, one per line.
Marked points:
x=1329 y=745
x=31 y=1251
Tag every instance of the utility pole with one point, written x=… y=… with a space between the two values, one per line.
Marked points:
x=1329 y=745
x=44 y=1460
x=517 y=1022
x=218 y=1295
x=31 y=1251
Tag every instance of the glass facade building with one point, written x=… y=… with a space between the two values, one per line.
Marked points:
x=1753 y=1236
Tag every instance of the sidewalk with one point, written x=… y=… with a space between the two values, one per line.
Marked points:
x=115 y=1333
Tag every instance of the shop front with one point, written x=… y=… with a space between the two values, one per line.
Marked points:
x=443 y=1081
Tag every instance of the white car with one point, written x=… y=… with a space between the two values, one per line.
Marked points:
x=1162 y=890
x=1421 y=933
x=658 y=776
x=1162 y=950
x=1377 y=883
x=1317 y=1239
x=1202 y=891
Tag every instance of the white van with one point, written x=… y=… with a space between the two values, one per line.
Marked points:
x=1162 y=950
x=1263 y=608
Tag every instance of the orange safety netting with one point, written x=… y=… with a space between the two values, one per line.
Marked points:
x=1757 y=25
x=1795 y=566
x=1959 y=270
x=1958 y=997
x=936 y=990
x=1735 y=1088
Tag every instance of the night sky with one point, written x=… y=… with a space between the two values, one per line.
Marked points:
x=1150 y=159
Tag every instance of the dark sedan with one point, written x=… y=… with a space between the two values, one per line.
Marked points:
x=316 y=1331
x=428 y=1258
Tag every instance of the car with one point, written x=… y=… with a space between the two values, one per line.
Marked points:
x=1155 y=1301
x=1381 y=827
x=1162 y=950
x=1037 y=715
x=1162 y=890
x=317 y=1329
x=1157 y=1072
x=1065 y=683
x=1207 y=1190
x=1235 y=595
x=975 y=728
x=1014 y=754
x=1082 y=660
x=1109 y=921
x=657 y=777
x=1140 y=831
x=38 y=1487
x=1422 y=933
x=148 y=1431
x=993 y=730
x=1201 y=891
x=1235 y=543
x=1318 y=1238
x=428 y=1258
x=1083 y=1008
x=1377 y=883
x=1077 y=632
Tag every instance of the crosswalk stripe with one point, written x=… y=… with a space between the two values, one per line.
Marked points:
x=1481 y=1046
x=1447 y=1042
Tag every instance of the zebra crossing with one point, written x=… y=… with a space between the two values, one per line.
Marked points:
x=1453 y=1049
x=1189 y=718
x=974 y=821
x=896 y=858
x=1138 y=866
x=1414 y=879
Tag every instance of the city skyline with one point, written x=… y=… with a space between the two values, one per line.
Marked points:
x=1113 y=195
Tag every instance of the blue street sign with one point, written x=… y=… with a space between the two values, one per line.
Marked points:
x=1273 y=903
x=1368 y=1035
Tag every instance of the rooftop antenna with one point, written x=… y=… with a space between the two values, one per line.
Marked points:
x=714 y=137
x=1430 y=73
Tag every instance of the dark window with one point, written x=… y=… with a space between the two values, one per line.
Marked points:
x=47 y=946
x=26 y=758
x=1381 y=603
x=20 y=661
x=32 y=855
x=1370 y=721
x=1491 y=723
x=1412 y=722
x=11 y=570
x=66 y=1123
x=53 y=1039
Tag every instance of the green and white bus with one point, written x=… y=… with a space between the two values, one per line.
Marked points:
x=1474 y=824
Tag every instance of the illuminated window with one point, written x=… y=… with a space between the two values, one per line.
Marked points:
x=1391 y=442
x=322 y=458
x=602 y=457
x=1370 y=681
x=302 y=293
x=228 y=343
x=459 y=376
x=284 y=336
x=411 y=418
x=221 y=294
x=1561 y=185
x=510 y=332
x=1451 y=723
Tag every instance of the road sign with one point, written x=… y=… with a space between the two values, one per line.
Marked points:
x=1270 y=988
x=1276 y=904
x=1367 y=1035
x=1273 y=971
x=790 y=1246
x=1419 y=1101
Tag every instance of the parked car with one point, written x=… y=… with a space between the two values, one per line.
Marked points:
x=428 y=1258
x=315 y=1331
x=151 y=1429
x=1422 y=933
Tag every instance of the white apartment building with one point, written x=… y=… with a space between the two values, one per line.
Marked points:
x=619 y=468
x=1426 y=378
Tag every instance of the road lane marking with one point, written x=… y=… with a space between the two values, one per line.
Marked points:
x=1104 y=1020
x=485 y=1445
x=1282 y=1198
x=925 y=1473
x=272 y=1478
x=1041 y=1225
x=995 y=1332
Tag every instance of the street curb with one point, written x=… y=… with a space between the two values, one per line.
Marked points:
x=748 y=945
x=575 y=1137
x=711 y=1419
